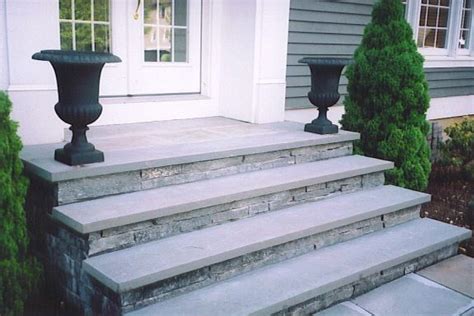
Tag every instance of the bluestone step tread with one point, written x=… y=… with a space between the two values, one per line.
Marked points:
x=145 y=264
x=114 y=211
x=281 y=136
x=275 y=287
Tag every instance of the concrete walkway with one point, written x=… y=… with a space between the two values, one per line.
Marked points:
x=446 y=288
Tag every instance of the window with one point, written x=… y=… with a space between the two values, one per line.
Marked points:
x=84 y=25
x=466 y=21
x=433 y=24
x=442 y=30
x=165 y=30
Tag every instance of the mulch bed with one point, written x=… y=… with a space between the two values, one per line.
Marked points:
x=451 y=193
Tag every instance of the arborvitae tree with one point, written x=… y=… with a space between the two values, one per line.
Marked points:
x=388 y=97
x=18 y=271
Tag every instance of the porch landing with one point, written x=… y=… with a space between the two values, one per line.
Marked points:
x=138 y=146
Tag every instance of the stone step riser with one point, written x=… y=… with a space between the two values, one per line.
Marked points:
x=70 y=191
x=129 y=235
x=199 y=278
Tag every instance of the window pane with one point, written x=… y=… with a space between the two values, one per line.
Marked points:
x=101 y=10
x=66 y=35
x=101 y=38
x=432 y=16
x=65 y=11
x=443 y=17
x=165 y=13
x=466 y=20
x=180 y=45
x=429 y=37
x=180 y=12
x=464 y=40
x=150 y=44
x=435 y=2
x=82 y=10
x=423 y=16
x=441 y=39
x=165 y=44
x=83 y=37
x=444 y=3
x=150 y=7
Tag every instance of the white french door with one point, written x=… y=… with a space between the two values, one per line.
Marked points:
x=164 y=46
x=159 y=42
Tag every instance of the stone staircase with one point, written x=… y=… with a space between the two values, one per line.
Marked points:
x=218 y=217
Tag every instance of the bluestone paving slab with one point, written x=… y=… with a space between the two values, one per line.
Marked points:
x=344 y=309
x=129 y=149
x=272 y=288
x=135 y=207
x=144 y=264
x=414 y=295
x=457 y=273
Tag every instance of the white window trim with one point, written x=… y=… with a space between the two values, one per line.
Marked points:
x=451 y=56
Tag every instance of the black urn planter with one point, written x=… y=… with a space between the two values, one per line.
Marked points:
x=325 y=75
x=78 y=78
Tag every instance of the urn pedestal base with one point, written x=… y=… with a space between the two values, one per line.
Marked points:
x=318 y=129
x=79 y=158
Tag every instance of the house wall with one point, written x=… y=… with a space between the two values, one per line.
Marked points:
x=3 y=47
x=244 y=49
x=335 y=28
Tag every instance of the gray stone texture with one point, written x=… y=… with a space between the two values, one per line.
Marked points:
x=124 y=209
x=71 y=191
x=129 y=148
x=456 y=273
x=344 y=309
x=414 y=295
x=129 y=235
x=366 y=284
x=276 y=288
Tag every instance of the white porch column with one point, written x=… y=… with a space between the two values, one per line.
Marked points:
x=253 y=52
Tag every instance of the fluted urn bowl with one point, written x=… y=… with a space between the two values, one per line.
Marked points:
x=78 y=79
x=325 y=76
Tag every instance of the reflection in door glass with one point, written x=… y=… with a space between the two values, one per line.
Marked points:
x=165 y=30
x=84 y=25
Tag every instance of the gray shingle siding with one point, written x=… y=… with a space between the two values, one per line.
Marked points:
x=334 y=28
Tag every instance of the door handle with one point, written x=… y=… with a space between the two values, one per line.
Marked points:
x=136 y=15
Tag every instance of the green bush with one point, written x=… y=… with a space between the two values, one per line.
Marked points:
x=388 y=97
x=18 y=272
x=458 y=150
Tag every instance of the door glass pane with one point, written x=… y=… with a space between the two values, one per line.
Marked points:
x=150 y=44
x=101 y=10
x=101 y=38
x=83 y=37
x=82 y=10
x=149 y=15
x=65 y=9
x=171 y=22
x=180 y=44
x=66 y=35
x=165 y=12
x=180 y=12
x=85 y=25
x=165 y=44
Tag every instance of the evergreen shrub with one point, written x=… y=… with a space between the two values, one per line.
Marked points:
x=388 y=97
x=18 y=272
